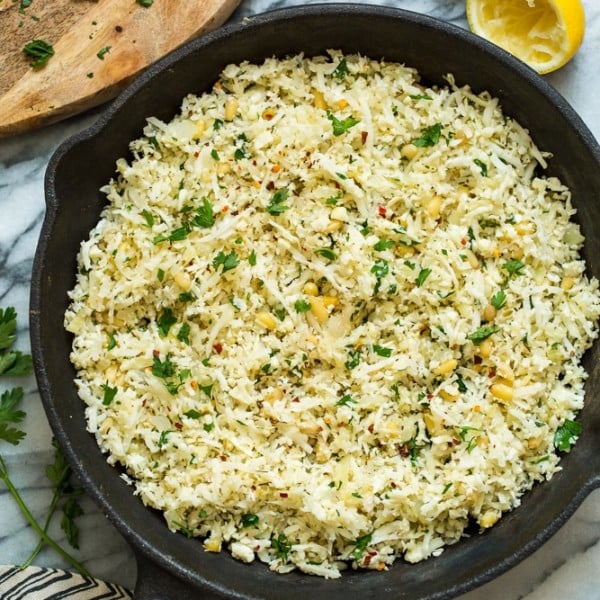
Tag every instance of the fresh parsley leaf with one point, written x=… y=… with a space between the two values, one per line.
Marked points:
x=341 y=70
x=8 y=402
x=421 y=97
x=327 y=253
x=302 y=306
x=109 y=394
x=8 y=327
x=341 y=126
x=353 y=359
x=145 y=3
x=39 y=51
x=71 y=510
x=215 y=154
x=162 y=369
x=183 y=335
x=227 y=261
x=252 y=258
x=204 y=215
x=498 y=300
x=165 y=321
x=422 y=276
x=566 y=435
x=481 y=334
x=192 y=414
x=148 y=217
x=382 y=350
x=208 y=427
x=15 y=364
x=482 y=167
x=282 y=547
x=346 y=400
x=382 y=245
x=277 y=206
x=249 y=520
x=360 y=545
x=514 y=267
x=430 y=136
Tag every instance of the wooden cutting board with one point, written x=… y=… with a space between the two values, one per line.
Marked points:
x=99 y=46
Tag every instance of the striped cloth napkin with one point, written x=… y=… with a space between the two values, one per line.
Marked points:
x=37 y=583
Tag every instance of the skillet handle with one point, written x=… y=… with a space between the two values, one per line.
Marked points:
x=154 y=583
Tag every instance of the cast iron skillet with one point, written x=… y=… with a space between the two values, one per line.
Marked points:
x=171 y=566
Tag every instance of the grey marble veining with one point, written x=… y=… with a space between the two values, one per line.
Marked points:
x=566 y=567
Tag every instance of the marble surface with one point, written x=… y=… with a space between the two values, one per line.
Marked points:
x=567 y=566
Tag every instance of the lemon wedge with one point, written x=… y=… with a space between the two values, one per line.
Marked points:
x=545 y=34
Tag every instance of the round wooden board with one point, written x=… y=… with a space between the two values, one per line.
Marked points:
x=98 y=47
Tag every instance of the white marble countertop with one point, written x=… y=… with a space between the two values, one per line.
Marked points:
x=566 y=567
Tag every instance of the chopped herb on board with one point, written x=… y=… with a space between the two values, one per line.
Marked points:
x=39 y=51
x=145 y=3
x=103 y=52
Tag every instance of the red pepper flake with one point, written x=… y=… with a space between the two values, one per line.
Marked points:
x=271 y=185
x=218 y=347
x=178 y=426
x=382 y=210
x=196 y=154
x=492 y=373
x=463 y=241
x=363 y=136
x=295 y=399
x=371 y=427
x=156 y=353
x=223 y=458
x=283 y=494
x=367 y=560
x=225 y=209
x=429 y=396
x=253 y=487
x=393 y=485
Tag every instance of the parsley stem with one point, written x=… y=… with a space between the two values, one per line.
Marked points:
x=31 y=519
x=40 y=544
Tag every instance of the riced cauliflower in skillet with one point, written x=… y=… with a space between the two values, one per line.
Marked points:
x=330 y=316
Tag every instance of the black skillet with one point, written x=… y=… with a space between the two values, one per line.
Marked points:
x=170 y=565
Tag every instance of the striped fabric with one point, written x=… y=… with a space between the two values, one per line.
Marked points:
x=36 y=583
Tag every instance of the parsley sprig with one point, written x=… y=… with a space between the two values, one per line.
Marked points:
x=15 y=363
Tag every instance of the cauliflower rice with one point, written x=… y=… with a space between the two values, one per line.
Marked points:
x=331 y=317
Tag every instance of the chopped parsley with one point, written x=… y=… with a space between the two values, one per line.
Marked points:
x=360 y=545
x=566 y=435
x=249 y=520
x=341 y=70
x=145 y=3
x=204 y=216
x=422 y=276
x=252 y=258
x=382 y=350
x=276 y=206
x=109 y=394
x=514 y=267
x=346 y=400
x=327 y=253
x=498 y=300
x=282 y=547
x=165 y=321
x=341 y=126
x=481 y=334
x=302 y=306
x=227 y=261
x=382 y=245
x=430 y=136
x=353 y=359
x=482 y=167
